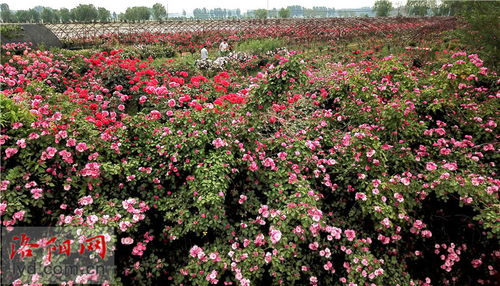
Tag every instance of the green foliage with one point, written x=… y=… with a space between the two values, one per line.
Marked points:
x=49 y=15
x=6 y=14
x=28 y=16
x=285 y=76
x=23 y=16
x=482 y=32
x=316 y=12
x=143 y=52
x=138 y=13
x=261 y=13
x=85 y=13
x=418 y=7
x=11 y=31
x=159 y=12
x=284 y=13
x=65 y=15
x=104 y=15
x=260 y=46
x=11 y=112
x=71 y=54
x=382 y=8
x=178 y=63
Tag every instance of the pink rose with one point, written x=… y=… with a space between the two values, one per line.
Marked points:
x=9 y=152
x=259 y=240
x=80 y=147
x=275 y=235
x=87 y=200
x=350 y=234
x=127 y=240
x=431 y=166
x=196 y=251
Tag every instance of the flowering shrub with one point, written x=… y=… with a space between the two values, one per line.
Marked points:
x=238 y=61
x=143 y=52
x=216 y=65
x=370 y=172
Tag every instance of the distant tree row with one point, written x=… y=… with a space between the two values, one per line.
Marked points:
x=384 y=8
x=81 y=13
x=89 y=13
x=217 y=13
x=294 y=11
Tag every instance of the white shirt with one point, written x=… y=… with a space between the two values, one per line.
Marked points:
x=223 y=46
x=204 y=54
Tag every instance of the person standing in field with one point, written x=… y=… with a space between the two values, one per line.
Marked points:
x=204 y=53
x=224 y=48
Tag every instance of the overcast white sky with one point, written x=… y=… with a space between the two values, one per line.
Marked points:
x=177 y=6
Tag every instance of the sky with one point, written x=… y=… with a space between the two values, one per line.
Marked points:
x=120 y=6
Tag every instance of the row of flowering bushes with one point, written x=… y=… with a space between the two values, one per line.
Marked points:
x=371 y=172
x=194 y=39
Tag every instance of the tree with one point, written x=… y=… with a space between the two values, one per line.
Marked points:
x=308 y=13
x=57 y=16
x=23 y=16
x=382 y=8
x=218 y=13
x=296 y=10
x=34 y=16
x=450 y=8
x=315 y=12
x=65 y=15
x=284 y=13
x=321 y=12
x=197 y=13
x=48 y=15
x=104 y=14
x=272 y=13
x=5 y=13
x=85 y=13
x=330 y=12
x=159 y=12
x=200 y=13
x=261 y=13
x=434 y=7
x=417 y=7
x=138 y=13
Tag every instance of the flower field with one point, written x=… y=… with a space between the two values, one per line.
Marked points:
x=353 y=163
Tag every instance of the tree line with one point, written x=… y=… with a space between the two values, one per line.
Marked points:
x=422 y=8
x=81 y=13
x=90 y=13
x=295 y=11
